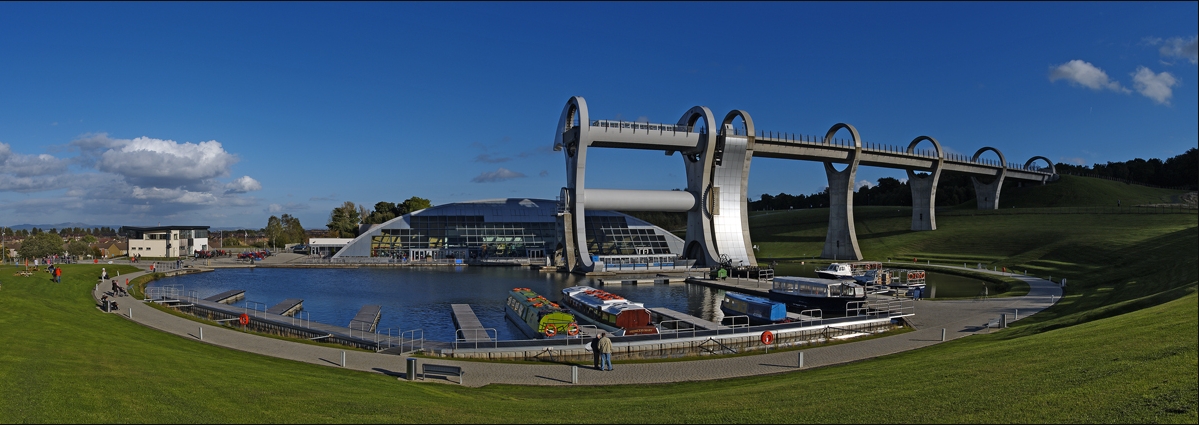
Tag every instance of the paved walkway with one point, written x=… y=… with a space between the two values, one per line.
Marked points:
x=959 y=318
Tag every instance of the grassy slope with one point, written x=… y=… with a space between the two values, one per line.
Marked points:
x=1121 y=347
x=1074 y=191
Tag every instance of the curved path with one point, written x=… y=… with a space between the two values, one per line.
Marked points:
x=959 y=318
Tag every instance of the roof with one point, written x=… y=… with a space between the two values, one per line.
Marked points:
x=163 y=228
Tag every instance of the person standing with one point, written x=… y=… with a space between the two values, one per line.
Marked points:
x=595 y=351
x=58 y=275
x=605 y=347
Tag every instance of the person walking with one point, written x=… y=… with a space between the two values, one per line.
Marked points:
x=605 y=347
x=595 y=351
x=58 y=275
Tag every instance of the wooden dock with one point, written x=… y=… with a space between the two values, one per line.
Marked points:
x=665 y=314
x=228 y=297
x=287 y=307
x=367 y=318
x=759 y=288
x=470 y=329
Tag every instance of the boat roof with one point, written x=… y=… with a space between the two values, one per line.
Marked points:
x=814 y=280
x=749 y=298
x=592 y=297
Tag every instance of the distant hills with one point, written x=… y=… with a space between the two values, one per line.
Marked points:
x=61 y=226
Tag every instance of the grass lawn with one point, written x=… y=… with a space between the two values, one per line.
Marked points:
x=1120 y=347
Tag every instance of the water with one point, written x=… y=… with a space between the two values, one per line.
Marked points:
x=420 y=298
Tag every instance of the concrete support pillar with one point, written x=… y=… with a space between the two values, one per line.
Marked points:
x=924 y=189
x=841 y=241
x=987 y=194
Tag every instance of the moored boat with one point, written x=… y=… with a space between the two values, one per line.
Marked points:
x=759 y=310
x=538 y=317
x=836 y=271
x=608 y=311
x=806 y=293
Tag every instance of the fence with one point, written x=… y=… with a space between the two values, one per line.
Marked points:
x=1160 y=209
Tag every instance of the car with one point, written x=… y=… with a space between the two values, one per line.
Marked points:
x=300 y=249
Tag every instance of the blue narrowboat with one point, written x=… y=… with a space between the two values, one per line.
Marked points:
x=760 y=310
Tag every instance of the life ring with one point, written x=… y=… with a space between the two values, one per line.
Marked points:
x=550 y=331
x=244 y=319
x=768 y=337
x=572 y=329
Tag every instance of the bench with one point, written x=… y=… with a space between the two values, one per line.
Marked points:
x=993 y=323
x=438 y=369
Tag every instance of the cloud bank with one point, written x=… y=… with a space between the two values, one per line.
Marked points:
x=1082 y=73
x=499 y=175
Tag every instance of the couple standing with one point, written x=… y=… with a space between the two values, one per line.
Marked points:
x=601 y=350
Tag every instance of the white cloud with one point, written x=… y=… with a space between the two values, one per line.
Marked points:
x=1082 y=73
x=1158 y=87
x=1180 y=48
x=863 y=183
x=243 y=185
x=288 y=207
x=29 y=165
x=496 y=176
x=155 y=162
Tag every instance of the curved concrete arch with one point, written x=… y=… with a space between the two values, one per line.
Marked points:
x=699 y=164
x=1002 y=159
x=924 y=188
x=731 y=226
x=575 y=149
x=987 y=194
x=1052 y=168
x=841 y=241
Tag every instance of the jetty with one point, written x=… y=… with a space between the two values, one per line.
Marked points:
x=287 y=307
x=228 y=297
x=665 y=314
x=469 y=328
x=367 y=318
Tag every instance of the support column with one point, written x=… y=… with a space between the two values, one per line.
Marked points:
x=987 y=194
x=841 y=242
x=924 y=189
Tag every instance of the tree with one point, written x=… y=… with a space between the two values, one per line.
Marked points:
x=293 y=231
x=383 y=212
x=78 y=248
x=414 y=204
x=40 y=245
x=343 y=221
x=273 y=230
x=89 y=239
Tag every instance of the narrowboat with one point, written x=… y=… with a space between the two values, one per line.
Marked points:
x=538 y=317
x=608 y=311
x=760 y=310
x=806 y=293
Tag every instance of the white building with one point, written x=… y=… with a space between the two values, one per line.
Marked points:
x=166 y=241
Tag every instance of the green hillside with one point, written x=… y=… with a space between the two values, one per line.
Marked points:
x=1074 y=191
x=1119 y=347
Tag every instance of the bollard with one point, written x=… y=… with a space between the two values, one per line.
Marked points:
x=574 y=374
x=1017 y=316
x=801 y=359
x=343 y=359
x=942 y=334
x=201 y=333
x=130 y=312
x=1003 y=321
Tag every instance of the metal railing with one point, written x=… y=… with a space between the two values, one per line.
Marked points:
x=736 y=322
x=251 y=308
x=1157 y=209
x=411 y=341
x=491 y=335
x=363 y=327
x=634 y=126
x=676 y=330
x=816 y=315
x=302 y=318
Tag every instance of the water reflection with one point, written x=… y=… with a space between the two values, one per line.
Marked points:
x=420 y=298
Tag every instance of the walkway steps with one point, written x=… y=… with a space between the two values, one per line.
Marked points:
x=228 y=297
x=367 y=318
x=665 y=314
x=287 y=307
x=470 y=329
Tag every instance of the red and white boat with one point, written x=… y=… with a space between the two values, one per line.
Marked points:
x=608 y=311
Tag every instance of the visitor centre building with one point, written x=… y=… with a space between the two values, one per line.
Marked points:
x=508 y=230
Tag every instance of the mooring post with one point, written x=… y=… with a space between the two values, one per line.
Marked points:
x=942 y=334
x=574 y=374
x=801 y=359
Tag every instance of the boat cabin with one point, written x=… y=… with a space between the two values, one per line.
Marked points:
x=813 y=287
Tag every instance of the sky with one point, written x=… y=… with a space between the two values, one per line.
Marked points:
x=224 y=114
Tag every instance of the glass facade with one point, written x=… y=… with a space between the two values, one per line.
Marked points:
x=611 y=235
x=470 y=236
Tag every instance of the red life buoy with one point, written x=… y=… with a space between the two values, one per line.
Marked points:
x=244 y=319
x=768 y=337
x=550 y=331
x=572 y=329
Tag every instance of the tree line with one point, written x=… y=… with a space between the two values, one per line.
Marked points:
x=345 y=220
x=1178 y=171
x=69 y=232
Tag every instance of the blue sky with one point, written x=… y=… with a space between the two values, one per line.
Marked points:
x=223 y=114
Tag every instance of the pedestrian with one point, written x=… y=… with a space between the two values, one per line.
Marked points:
x=605 y=347
x=103 y=273
x=58 y=275
x=595 y=351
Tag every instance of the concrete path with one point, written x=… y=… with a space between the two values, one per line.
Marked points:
x=959 y=318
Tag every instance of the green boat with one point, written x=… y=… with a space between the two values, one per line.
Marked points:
x=538 y=317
